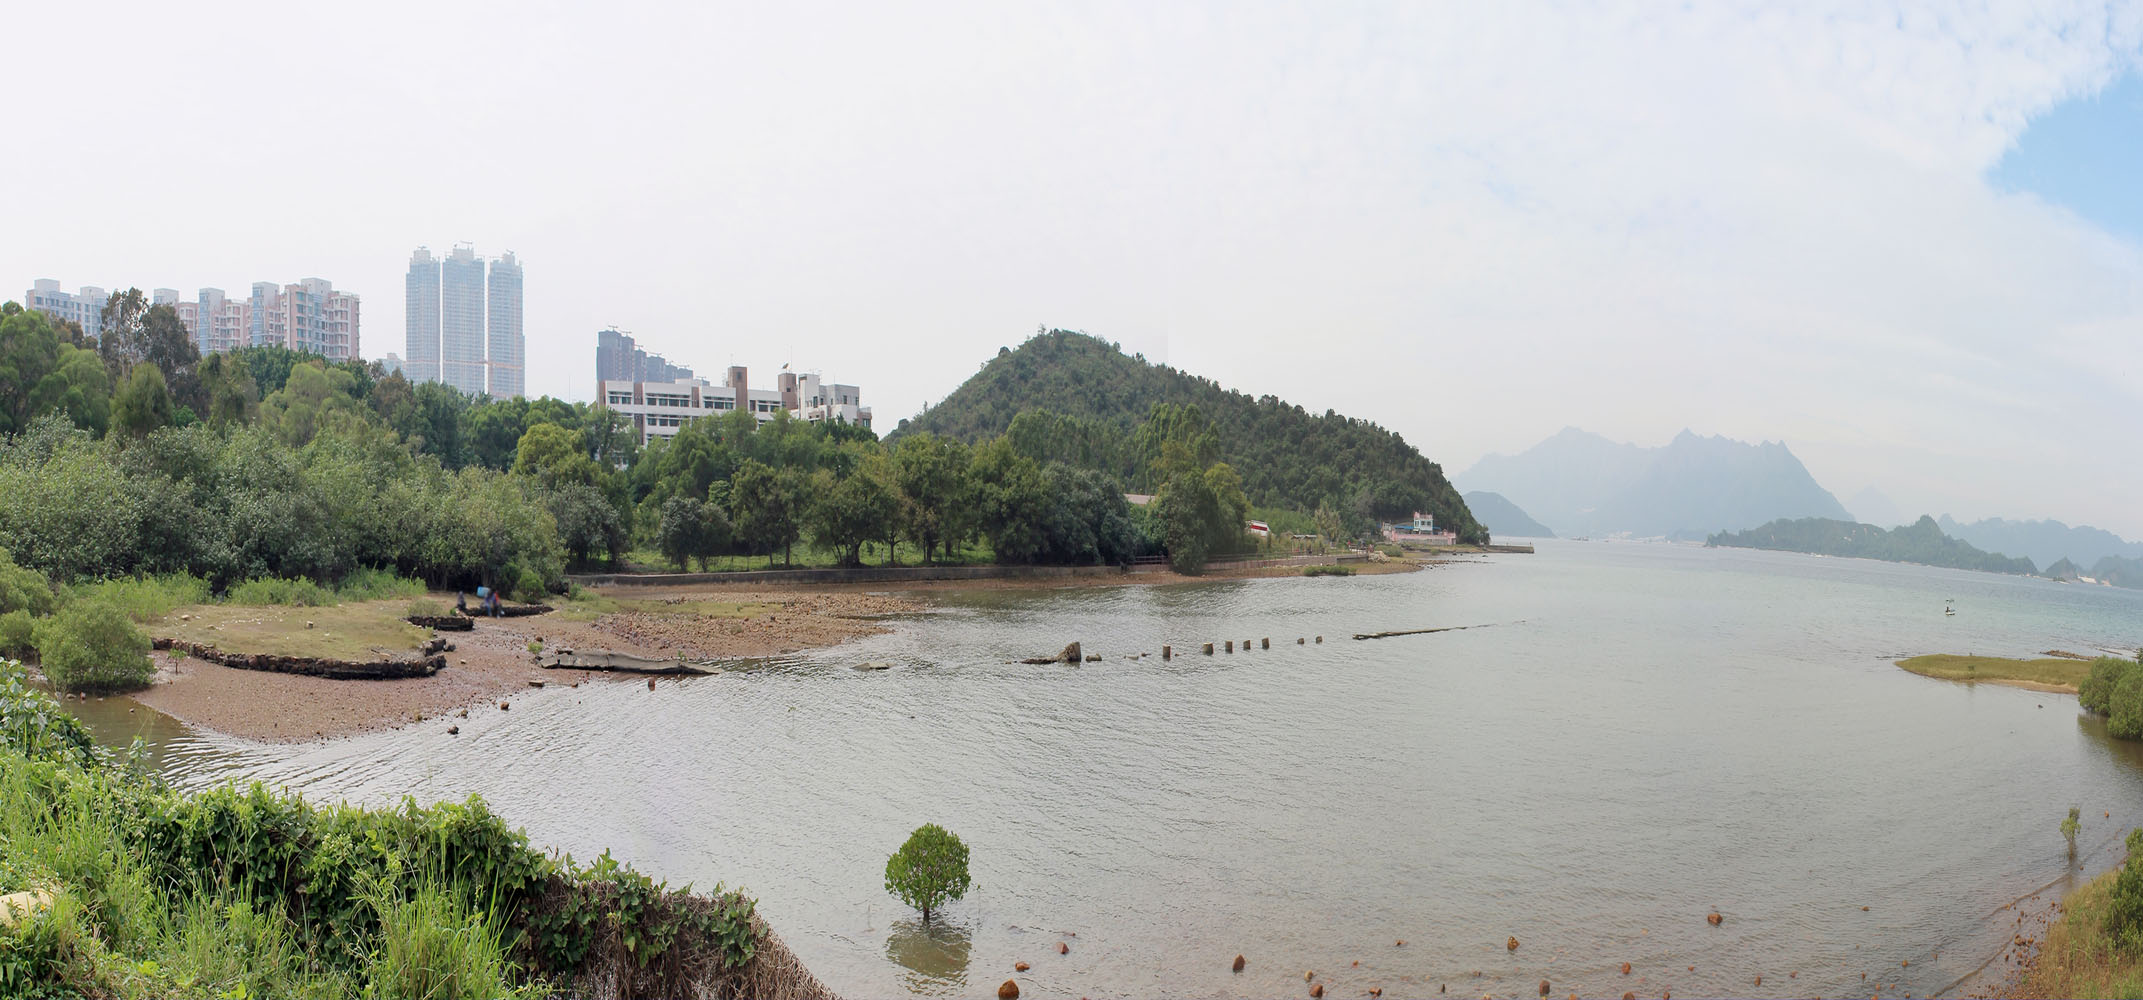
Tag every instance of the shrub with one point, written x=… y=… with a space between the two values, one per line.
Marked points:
x=274 y=591
x=23 y=589
x=377 y=585
x=2095 y=694
x=427 y=609
x=2124 y=713
x=145 y=598
x=1328 y=570
x=1393 y=551
x=929 y=870
x=18 y=634
x=91 y=646
x=2124 y=913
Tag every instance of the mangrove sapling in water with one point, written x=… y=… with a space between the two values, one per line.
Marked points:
x=929 y=870
x=2068 y=829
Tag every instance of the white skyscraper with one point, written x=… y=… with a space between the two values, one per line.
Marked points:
x=502 y=323
x=423 y=328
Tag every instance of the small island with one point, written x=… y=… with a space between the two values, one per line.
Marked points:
x=2059 y=674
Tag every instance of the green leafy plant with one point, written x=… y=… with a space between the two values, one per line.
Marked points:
x=2069 y=827
x=1333 y=570
x=92 y=646
x=929 y=870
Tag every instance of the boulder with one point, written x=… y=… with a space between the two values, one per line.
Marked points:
x=1713 y=918
x=1070 y=654
x=1009 y=991
x=1512 y=944
x=16 y=907
x=1238 y=963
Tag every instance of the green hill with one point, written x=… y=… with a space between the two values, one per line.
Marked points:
x=1920 y=542
x=1092 y=405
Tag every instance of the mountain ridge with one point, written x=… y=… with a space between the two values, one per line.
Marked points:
x=1577 y=482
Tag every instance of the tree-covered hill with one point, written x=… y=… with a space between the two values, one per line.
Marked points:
x=1920 y=542
x=1095 y=406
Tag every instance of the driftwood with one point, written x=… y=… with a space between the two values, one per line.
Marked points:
x=314 y=666
x=566 y=659
x=1414 y=631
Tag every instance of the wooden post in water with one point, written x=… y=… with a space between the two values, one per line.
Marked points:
x=1167 y=652
x=1320 y=638
x=1209 y=649
x=1231 y=645
x=1300 y=641
x=1265 y=643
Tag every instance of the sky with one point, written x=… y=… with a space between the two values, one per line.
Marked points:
x=1904 y=238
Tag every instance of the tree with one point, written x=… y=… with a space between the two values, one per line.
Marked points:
x=79 y=387
x=123 y=342
x=931 y=474
x=316 y=396
x=29 y=352
x=92 y=646
x=166 y=344
x=587 y=522
x=2069 y=827
x=552 y=454
x=143 y=404
x=769 y=507
x=227 y=392
x=1011 y=500
x=929 y=870
x=1201 y=515
x=845 y=513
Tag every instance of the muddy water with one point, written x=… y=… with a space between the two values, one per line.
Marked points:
x=1642 y=735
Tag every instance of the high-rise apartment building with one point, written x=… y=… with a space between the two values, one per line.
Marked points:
x=464 y=327
x=461 y=320
x=423 y=329
x=502 y=328
x=85 y=309
x=309 y=316
x=619 y=359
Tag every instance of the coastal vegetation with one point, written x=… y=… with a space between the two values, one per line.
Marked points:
x=1920 y=542
x=145 y=891
x=1069 y=397
x=2095 y=949
x=929 y=870
x=2114 y=689
x=2055 y=673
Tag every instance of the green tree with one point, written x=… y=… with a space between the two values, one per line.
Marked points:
x=587 y=522
x=932 y=476
x=143 y=404
x=2069 y=826
x=554 y=455
x=122 y=341
x=314 y=397
x=691 y=529
x=227 y=392
x=769 y=506
x=929 y=870
x=29 y=353
x=847 y=512
x=1011 y=501
x=92 y=646
x=79 y=387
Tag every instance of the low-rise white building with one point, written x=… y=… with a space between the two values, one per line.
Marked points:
x=659 y=409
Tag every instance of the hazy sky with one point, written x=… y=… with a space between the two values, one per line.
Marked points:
x=1474 y=223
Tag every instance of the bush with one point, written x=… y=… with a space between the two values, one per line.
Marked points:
x=2124 y=717
x=2095 y=694
x=18 y=634
x=2124 y=914
x=273 y=591
x=1327 y=571
x=23 y=589
x=377 y=585
x=929 y=870
x=145 y=598
x=91 y=646
x=427 y=609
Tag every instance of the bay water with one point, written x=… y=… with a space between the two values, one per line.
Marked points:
x=1625 y=738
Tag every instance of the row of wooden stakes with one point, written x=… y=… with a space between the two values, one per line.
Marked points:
x=1169 y=652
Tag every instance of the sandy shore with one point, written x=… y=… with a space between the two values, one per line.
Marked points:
x=492 y=662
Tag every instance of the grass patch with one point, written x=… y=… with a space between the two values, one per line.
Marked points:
x=1328 y=570
x=2078 y=957
x=2052 y=672
x=359 y=631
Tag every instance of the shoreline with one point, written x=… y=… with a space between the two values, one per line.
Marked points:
x=492 y=661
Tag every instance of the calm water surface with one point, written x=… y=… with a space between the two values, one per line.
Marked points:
x=1644 y=733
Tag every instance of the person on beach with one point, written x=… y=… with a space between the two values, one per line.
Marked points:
x=494 y=605
x=461 y=602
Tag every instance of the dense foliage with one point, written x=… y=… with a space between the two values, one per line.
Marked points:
x=2114 y=689
x=929 y=870
x=1070 y=397
x=238 y=892
x=93 y=646
x=1920 y=542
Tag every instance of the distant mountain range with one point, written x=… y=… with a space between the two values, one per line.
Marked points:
x=1503 y=518
x=1919 y=542
x=2045 y=542
x=1870 y=506
x=1579 y=483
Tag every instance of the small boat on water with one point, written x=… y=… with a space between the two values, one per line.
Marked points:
x=1948 y=608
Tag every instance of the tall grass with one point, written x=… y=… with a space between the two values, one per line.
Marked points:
x=144 y=598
